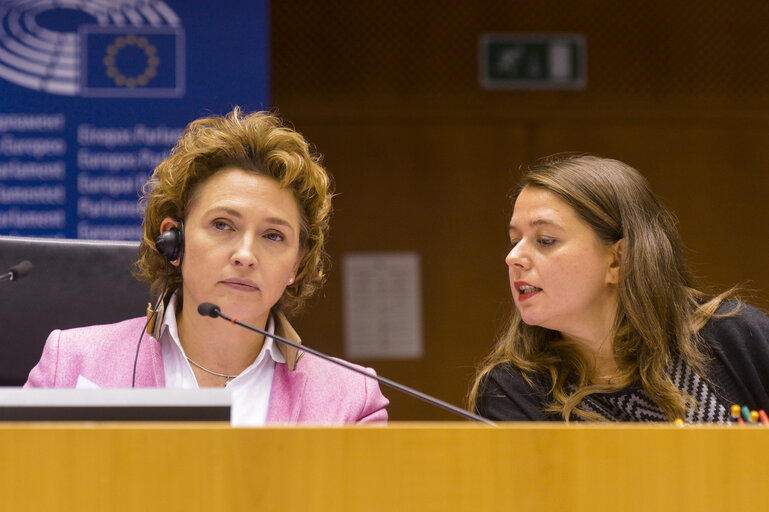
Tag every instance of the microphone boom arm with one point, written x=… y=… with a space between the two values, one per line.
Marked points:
x=208 y=309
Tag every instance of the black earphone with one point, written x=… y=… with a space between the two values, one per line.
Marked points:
x=170 y=244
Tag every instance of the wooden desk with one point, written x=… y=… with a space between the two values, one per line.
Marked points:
x=424 y=467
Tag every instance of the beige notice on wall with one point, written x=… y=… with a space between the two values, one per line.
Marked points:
x=382 y=305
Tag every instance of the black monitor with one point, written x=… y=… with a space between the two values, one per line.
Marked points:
x=72 y=283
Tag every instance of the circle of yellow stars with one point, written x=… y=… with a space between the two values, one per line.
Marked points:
x=150 y=71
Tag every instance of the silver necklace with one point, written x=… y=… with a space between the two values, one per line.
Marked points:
x=228 y=377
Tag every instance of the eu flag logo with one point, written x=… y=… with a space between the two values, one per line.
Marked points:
x=131 y=62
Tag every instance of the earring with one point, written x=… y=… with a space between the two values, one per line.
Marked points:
x=290 y=280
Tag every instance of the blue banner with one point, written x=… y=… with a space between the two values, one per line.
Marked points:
x=94 y=93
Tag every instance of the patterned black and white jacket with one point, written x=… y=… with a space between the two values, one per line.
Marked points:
x=738 y=374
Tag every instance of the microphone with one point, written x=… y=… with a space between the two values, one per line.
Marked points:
x=208 y=309
x=212 y=310
x=17 y=271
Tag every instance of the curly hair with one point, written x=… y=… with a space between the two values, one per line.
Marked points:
x=260 y=143
x=660 y=309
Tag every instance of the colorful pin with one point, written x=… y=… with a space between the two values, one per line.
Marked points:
x=746 y=413
x=736 y=414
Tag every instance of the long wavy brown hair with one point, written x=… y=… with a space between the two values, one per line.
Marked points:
x=260 y=143
x=660 y=308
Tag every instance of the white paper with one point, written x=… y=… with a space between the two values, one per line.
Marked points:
x=83 y=383
x=382 y=305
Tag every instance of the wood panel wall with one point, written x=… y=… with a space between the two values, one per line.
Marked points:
x=424 y=159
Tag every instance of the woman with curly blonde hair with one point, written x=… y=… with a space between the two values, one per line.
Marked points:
x=608 y=322
x=238 y=216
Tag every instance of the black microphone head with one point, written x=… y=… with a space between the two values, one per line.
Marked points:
x=20 y=270
x=208 y=309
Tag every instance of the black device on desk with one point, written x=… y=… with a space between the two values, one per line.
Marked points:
x=72 y=283
x=146 y=404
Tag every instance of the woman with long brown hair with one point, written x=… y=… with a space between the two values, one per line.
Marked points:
x=608 y=322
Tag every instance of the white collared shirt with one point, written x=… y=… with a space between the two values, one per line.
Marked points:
x=250 y=390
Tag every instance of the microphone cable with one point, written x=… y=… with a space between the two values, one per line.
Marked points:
x=149 y=319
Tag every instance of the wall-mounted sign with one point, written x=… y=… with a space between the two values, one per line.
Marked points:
x=94 y=93
x=532 y=61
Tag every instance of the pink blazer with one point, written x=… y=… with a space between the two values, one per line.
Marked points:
x=316 y=391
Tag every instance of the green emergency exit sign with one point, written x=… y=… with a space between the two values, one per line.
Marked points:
x=532 y=61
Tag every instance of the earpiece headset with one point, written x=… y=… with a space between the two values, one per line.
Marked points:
x=170 y=244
